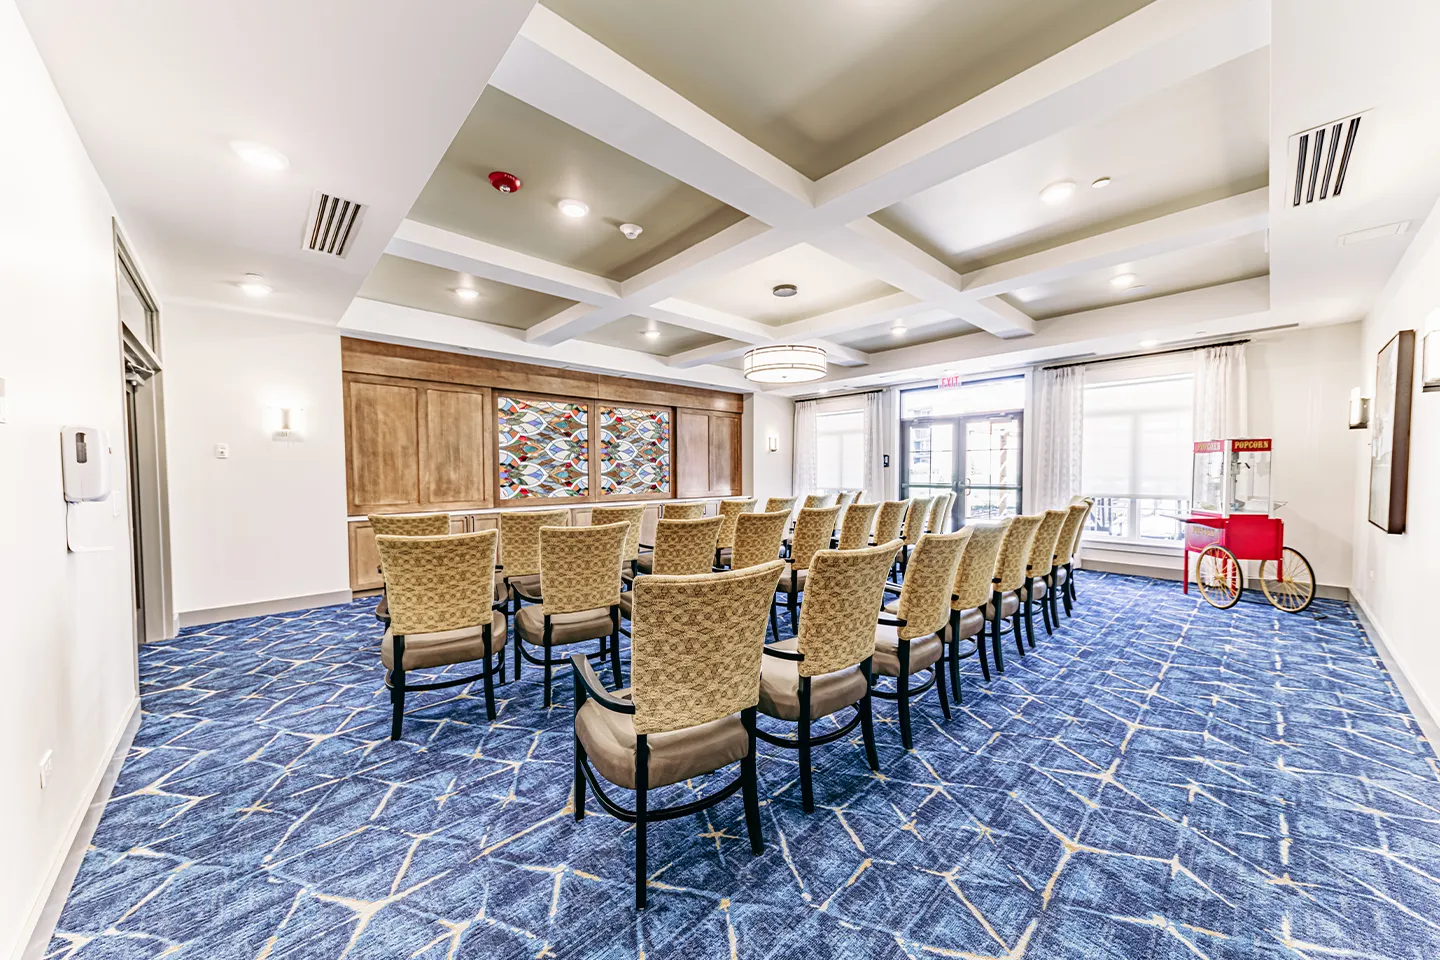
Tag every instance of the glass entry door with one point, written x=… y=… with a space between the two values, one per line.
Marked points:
x=976 y=457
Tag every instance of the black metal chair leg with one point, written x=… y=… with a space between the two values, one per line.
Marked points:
x=902 y=694
x=1028 y=612
x=642 y=784
x=1017 y=629
x=867 y=717
x=995 y=604
x=549 y=667
x=750 y=785
x=792 y=605
x=579 y=752
x=774 y=618
x=489 y=680
x=953 y=651
x=807 y=787
x=397 y=687
x=1045 y=610
x=940 y=687
x=615 y=669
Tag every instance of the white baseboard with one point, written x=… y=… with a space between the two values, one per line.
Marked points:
x=1425 y=712
x=262 y=608
x=45 y=911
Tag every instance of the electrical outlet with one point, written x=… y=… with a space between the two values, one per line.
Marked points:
x=47 y=766
x=222 y=451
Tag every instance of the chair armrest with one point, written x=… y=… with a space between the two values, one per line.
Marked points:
x=892 y=621
x=595 y=689
x=794 y=655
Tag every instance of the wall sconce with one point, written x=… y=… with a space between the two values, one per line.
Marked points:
x=772 y=443
x=1359 y=410
x=285 y=423
x=1430 y=361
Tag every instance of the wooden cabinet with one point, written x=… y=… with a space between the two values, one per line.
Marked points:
x=382 y=426
x=455 y=457
x=707 y=454
x=364 y=558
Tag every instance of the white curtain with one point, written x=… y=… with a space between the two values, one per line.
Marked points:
x=1059 y=422
x=1221 y=395
x=805 y=467
x=874 y=446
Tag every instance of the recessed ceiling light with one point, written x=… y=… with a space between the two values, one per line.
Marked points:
x=254 y=285
x=1058 y=192
x=1132 y=291
x=785 y=290
x=259 y=155
x=1123 y=281
x=573 y=208
x=897 y=329
x=1100 y=183
x=1147 y=344
x=467 y=293
x=651 y=334
x=631 y=230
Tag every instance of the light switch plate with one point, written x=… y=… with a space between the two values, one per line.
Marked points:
x=222 y=451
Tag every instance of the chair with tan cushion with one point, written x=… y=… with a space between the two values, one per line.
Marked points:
x=773 y=504
x=944 y=516
x=935 y=518
x=683 y=548
x=844 y=499
x=812 y=534
x=973 y=581
x=758 y=537
x=442 y=612
x=690 y=710
x=730 y=510
x=1036 y=588
x=914 y=527
x=1009 y=576
x=633 y=515
x=1068 y=577
x=817 y=500
x=855 y=526
x=909 y=642
x=825 y=667
x=520 y=554
x=582 y=597
x=888 y=521
x=404 y=525
x=671 y=510
x=1065 y=545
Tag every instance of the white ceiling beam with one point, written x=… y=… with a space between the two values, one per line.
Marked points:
x=717 y=323
x=1220 y=220
x=880 y=310
x=1156 y=47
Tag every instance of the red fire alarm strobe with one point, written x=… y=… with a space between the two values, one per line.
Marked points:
x=504 y=182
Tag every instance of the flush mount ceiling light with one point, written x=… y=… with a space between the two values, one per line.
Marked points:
x=254 y=285
x=467 y=293
x=1123 y=281
x=504 y=182
x=1058 y=192
x=785 y=290
x=1100 y=183
x=631 y=230
x=259 y=155
x=573 y=208
x=784 y=363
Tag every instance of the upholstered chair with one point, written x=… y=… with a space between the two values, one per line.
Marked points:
x=1069 y=538
x=671 y=510
x=825 y=667
x=973 y=587
x=773 y=504
x=813 y=528
x=730 y=510
x=855 y=526
x=633 y=515
x=405 y=525
x=935 y=519
x=888 y=521
x=582 y=597
x=442 y=612
x=758 y=537
x=908 y=642
x=945 y=514
x=1038 y=568
x=520 y=554
x=915 y=518
x=1089 y=504
x=816 y=500
x=690 y=709
x=844 y=499
x=682 y=548
x=1005 y=585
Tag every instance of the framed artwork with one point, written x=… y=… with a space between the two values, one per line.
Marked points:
x=634 y=451
x=544 y=448
x=1390 y=432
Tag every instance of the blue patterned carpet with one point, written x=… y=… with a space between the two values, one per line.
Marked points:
x=1159 y=779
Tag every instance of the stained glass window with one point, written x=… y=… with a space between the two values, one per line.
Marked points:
x=634 y=451
x=543 y=448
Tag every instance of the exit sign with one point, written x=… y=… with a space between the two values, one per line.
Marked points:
x=948 y=382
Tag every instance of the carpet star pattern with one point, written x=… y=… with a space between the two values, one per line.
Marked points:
x=1159 y=779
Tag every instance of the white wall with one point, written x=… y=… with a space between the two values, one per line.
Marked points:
x=68 y=644
x=1396 y=574
x=767 y=474
x=268 y=523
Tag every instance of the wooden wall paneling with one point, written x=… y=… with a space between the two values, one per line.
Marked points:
x=725 y=468
x=640 y=393
x=364 y=558
x=382 y=448
x=692 y=453
x=454 y=449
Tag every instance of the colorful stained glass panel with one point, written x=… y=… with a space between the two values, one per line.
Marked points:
x=543 y=448
x=634 y=451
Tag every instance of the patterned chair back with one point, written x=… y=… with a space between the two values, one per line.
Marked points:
x=578 y=565
x=1089 y=504
x=683 y=511
x=731 y=510
x=855 y=525
x=944 y=514
x=934 y=519
x=1015 y=552
x=1042 y=551
x=410 y=524
x=1065 y=543
x=842 y=601
x=915 y=519
x=696 y=644
x=887 y=524
x=780 y=503
x=844 y=500
x=929 y=583
x=685 y=547
x=974 y=578
x=520 y=539
x=757 y=538
x=815 y=500
x=599 y=516
x=813 y=529
x=438 y=583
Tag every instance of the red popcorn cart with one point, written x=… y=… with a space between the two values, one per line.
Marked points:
x=1230 y=522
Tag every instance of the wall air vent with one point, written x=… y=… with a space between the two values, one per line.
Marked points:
x=332 y=225
x=1322 y=157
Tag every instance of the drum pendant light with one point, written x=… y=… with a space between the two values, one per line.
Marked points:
x=785 y=363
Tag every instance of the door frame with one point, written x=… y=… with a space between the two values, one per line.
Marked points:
x=961 y=486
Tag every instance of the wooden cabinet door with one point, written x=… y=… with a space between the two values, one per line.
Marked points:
x=364 y=558
x=692 y=454
x=454 y=459
x=383 y=450
x=724 y=455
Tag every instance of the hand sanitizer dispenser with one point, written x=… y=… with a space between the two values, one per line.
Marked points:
x=85 y=459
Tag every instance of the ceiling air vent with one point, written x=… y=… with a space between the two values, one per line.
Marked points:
x=332 y=225
x=1322 y=158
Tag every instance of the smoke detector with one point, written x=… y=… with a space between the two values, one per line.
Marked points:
x=504 y=182
x=631 y=230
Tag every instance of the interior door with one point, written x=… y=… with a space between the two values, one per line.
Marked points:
x=991 y=476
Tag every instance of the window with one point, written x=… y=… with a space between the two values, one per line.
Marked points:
x=840 y=450
x=965 y=440
x=979 y=396
x=1136 y=463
